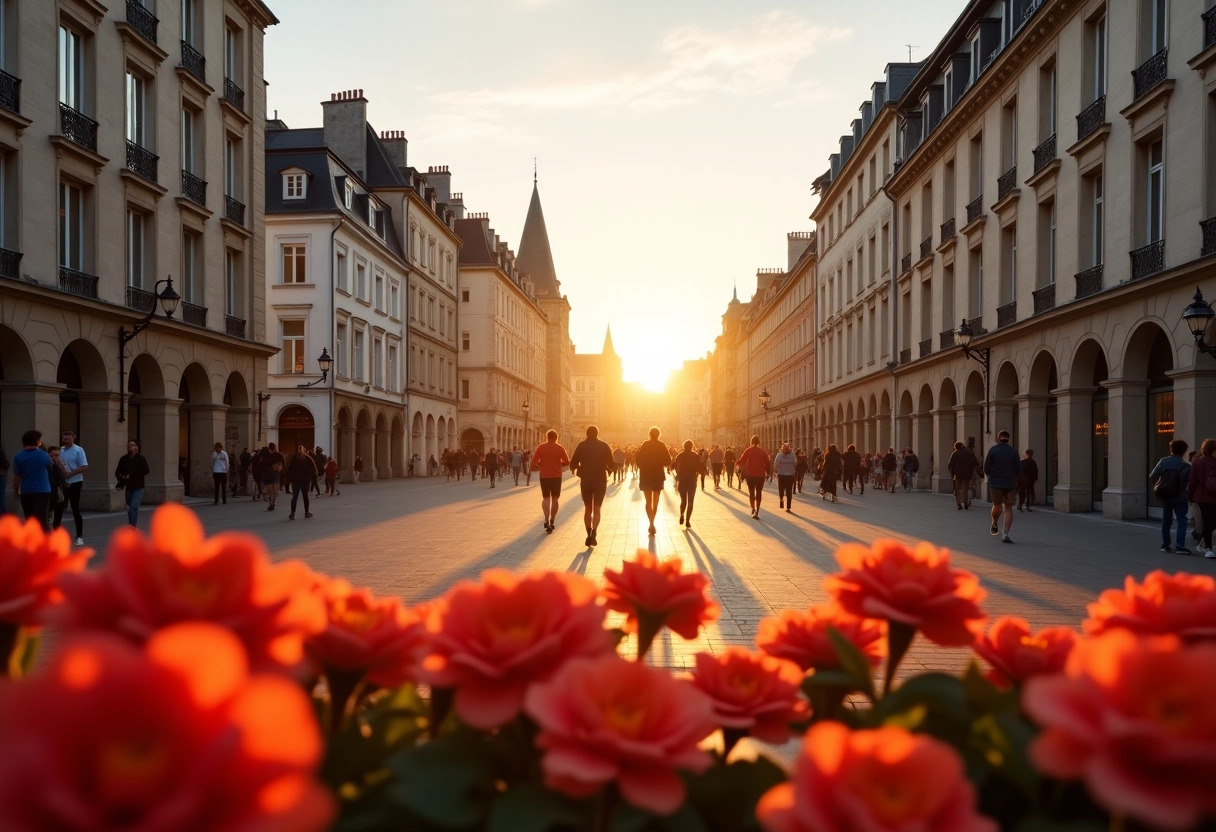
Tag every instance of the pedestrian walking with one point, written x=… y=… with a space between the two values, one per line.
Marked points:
x=754 y=466
x=548 y=461
x=1168 y=479
x=717 y=459
x=1201 y=489
x=653 y=461
x=833 y=468
x=728 y=462
x=331 y=478
x=319 y=459
x=850 y=462
x=219 y=473
x=618 y=459
x=76 y=463
x=491 y=465
x=358 y=469
x=244 y=462
x=1028 y=475
x=911 y=467
x=517 y=462
x=801 y=465
x=689 y=466
x=301 y=473
x=592 y=461
x=32 y=479
x=703 y=455
x=962 y=465
x=785 y=463
x=272 y=472
x=1001 y=466
x=59 y=487
x=131 y=472
x=889 y=464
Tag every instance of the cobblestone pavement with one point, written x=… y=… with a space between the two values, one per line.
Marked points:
x=415 y=538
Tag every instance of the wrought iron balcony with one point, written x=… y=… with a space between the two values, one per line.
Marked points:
x=10 y=263
x=926 y=247
x=141 y=19
x=77 y=283
x=234 y=326
x=194 y=62
x=194 y=314
x=949 y=232
x=1005 y=183
x=141 y=300
x=905 y=356
x=1151 y=73
x=1007 y=315
x=1091 y=118
x=1045 y=154
x=1148 y=260
x=945 y=340
x=234 y=94
x=234 y=210
x=1089 y=282
x=78 y=128
x=193 y=188
x=975 y=208
x=1209 y=237
x=141 y=161
x=1209 y=27
x=1044 y=299
x=905 y=264
x=925 y=347
x=10 y=92
x=977 y=325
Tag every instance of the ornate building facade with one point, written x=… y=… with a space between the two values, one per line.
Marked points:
x=598 y=393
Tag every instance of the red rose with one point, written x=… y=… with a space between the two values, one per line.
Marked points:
x=752 y=692
x=802 y=637
x=1016 y=654
x=1182 y=604
x=654 y=594
x=31 y=561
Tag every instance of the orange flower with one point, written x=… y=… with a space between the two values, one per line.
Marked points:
x=606 y=719
x=1016 y=654
x=1182 y=604
x=915 y=587
x=30 y=563
x=490 y=641
x=174 y=735
x=178 y=575
x=375 y=637
x=802 y=637
x=648 y=591
x=752 y=692
x=884 y=780
x=1135 y=718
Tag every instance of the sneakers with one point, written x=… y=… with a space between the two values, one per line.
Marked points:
x=307 y=515
x=1182 y=550
x=80 y=541
x=993 y=529
x=1006 y=538
x=1165 y=547
x=1209 y=554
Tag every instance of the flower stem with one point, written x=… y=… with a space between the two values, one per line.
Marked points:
x=344 y=690
x=8 y=643
x=899 y=639
x=730 y=738
x=648 y=630
x=601 y=820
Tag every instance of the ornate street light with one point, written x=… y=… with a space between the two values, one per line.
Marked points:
x=765 y=398
x=983 y=355
x=1197 y=316
x=526 y=408
x=324 y=362
x=167 y=299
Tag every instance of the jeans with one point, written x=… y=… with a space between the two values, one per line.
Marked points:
x=135 y=496
x=36 y=505
x=785 y=489
x=221 y=485
x=74 y=501
x=298 y=488
x=1174 y=509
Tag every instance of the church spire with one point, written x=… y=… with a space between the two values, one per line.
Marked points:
x=609 y=349
x=535 y=258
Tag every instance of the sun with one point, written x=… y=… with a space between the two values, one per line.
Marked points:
x=649 y=359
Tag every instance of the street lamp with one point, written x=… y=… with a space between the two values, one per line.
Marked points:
x=168 y=299
x=323 y=361
x=262 y=399
x=765 y=398
x=526 y=407
x=982 y=355
x=1197 y=316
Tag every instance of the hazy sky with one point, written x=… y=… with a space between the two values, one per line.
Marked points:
x=677 y=139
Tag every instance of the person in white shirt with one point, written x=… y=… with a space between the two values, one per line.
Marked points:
x=219 y=472
x=75 y=462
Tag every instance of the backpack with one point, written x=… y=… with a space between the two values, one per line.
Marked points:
x=1169 y=484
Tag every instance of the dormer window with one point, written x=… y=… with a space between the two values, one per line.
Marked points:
x=348 y=197
x=371 y=213
x=295 y=185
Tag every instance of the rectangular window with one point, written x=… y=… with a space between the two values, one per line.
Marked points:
x=341 y=359
x=232 y=53
x=464 y=341
x=1095 y=59
x=379 y=298
x=137 y=109
x=188 y=139
x=377 y=363
x=1009 y=264
x=948 y=296
x=293 y=186
x=430 y=255
x=234 y=284
x=1158 y=26
x=293 y=346
x=192 y=270
x=71 y=227
x=71 y=69
x=295 y=263
x=232 y=160
x=975 y=289
x=1009 y=135
x=1155 y=191
x=361 y=281
x=136 y=248
x=394 y=300
x=464 y=388
x=189 y=23
x=1098 y=222
x=464 y=295
x=1047 y=101
x=392 y=369
x=356 y=356
x=977 y=59
x=1047 y=244
x=430 y=312
x=342 y=278
x=977 y=165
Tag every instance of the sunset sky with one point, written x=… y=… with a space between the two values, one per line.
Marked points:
x=676 y=139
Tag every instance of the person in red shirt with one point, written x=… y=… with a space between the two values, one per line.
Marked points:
x=754 y=465
x=548 y=461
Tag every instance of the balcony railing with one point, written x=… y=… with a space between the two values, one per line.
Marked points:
x=233 y=94
x=1151 y=73
x=1209 y=237
x=194 y=62
x=234 y=326
x=1091 y=118
x=77 y=127
x=10 y=263
x=1148 y=260
x=141 y=161
x=905 y=264
x=193 y=188
x=141 y=300
x=977 y=324
x=1045 y=154
x=1089 y=282
x=10 y=92
x=925 y=347
x=926 y=247
x=975 y=208
x=1209 y=27
x=1006 y=315
x=234 y=210
x=945 y=340
x=1044 y=299
x=905 y=356
x=77 y=283
x=949 y=232
x=141 y=19
x=194 y=314
x=1006 y=182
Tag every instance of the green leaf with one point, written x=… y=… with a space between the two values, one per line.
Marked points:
x=25 y=653
x=355 y=756
x=853 y=662
x=533 y=807
x=725 y=797
x=935 y=702
x=1002 y=740
x=446 y=782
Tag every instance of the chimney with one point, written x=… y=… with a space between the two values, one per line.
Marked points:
x=797 y=242
x=457 y=205
x=440 y=178
x=276 y=123
x=396 y=145
x=346 y=128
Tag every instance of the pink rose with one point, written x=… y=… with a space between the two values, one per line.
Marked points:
x=752 y=692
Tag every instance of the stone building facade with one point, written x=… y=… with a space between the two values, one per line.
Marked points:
x=598 y=395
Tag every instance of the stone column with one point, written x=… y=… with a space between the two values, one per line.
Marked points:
x=384 y=463
x=346 y=456
x=1194 y=402
x=884 y=439
x=1074 y=411
x=98 y=411
x=1126 y=498
x=921 y=442
x=207 y=423
x=1032 y=431
x=968 y=423
x=158 y=439
x=27 y=405
x=944 y=437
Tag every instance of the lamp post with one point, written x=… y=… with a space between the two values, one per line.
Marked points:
x=764 y=398
x=168 y=299
x=526 y=408
x=324 y=362
x=982 y=355
x=262 y=399
x=1197 y=316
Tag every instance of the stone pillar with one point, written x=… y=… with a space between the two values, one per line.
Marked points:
x=207 y=423
x=1004 y=416
x=1074 y=411
x=158 y=438
x=968 y=423
x=944 y=437
x=27 y=405
x=884 y=439
x=1194 y=402
x=1126 y=498
x=346 y=454
x=921 y=442
x=98 y=411
x=384 y=464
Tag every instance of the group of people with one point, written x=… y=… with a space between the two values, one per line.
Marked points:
x=1186 y=486
x=48 y=480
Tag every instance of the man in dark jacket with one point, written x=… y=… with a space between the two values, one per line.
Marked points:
x=889 y=464
x=318 y=459
x=592 y=461
x=1169 y=479
x=301 y=472
x=851 y=461
x=1028 y=475
x=1001 y=466
x=962 y=467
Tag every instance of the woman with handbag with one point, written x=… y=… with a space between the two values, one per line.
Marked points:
x=1201 y=489
x=130 y=473
x=59 y=487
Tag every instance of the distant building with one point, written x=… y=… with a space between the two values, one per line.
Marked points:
x=598 y=394
x=645 y=409
x=689 y=394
